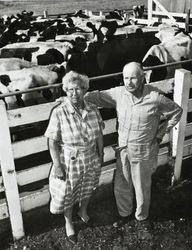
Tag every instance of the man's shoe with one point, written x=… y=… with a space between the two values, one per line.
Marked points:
x=122 y=221
x=145 y=225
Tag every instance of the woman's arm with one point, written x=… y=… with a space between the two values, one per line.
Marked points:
x=99 y=142
x=54 y=150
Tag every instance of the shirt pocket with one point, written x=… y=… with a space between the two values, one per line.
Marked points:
x=146 y=119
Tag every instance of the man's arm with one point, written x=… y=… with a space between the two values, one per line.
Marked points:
x=105 y=98
x=171 y=112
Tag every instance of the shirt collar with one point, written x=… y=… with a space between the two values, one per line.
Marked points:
x=144 y=95
x=71 y=109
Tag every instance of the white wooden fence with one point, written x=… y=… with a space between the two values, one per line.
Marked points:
x=163 y=15
x=12 y=179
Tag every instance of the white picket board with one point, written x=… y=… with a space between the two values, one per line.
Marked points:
x=34 y=199
x=190 y=105
x=27 y=115
x=107 y=174
x=3 y=210
x=2 y=188
x=181 y=96
x=166 y=139
x=188 y=129
x=176 y=14
x=150 y=10
x=9 y=176
x=156 y=19
x=39 y=143
x=29 y=146
x=163 y=157
x=34 y=174
x=109 y=154
x=165 y=86
x=110 y=126
x=187 y=150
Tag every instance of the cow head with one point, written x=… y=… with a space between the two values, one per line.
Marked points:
x=138 y=11
x=47 y=94
x=5 y=80
x=167 y=32
x=51 y=56
x=19 y=99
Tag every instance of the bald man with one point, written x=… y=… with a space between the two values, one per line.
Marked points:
x=139 y=109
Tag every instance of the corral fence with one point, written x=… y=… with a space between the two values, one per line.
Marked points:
x=161 y=11
x=25 y=163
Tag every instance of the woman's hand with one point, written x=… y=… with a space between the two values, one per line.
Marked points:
x=159 y=140
x=60 y=172
x=59 y=169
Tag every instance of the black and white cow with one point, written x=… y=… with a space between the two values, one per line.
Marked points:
x=175 y=46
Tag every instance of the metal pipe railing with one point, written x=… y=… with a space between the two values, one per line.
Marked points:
x=95 y=78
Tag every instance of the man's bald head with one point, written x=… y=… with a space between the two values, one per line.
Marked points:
x=134 y=66
x=133 y=76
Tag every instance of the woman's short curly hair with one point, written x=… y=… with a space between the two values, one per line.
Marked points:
x=74 y=77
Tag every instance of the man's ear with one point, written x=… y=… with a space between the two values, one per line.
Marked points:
x=143 y=78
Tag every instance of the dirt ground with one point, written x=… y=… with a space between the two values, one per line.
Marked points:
x=170 y=213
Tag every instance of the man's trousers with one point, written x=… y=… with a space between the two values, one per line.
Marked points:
x=133 y=177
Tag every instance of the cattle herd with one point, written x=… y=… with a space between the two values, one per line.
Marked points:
x=38 y=51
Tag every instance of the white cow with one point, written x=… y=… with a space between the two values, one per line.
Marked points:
x=7 y=64
x=34 y=48
x=10 y=101
x=27 y=78
x=175 y=47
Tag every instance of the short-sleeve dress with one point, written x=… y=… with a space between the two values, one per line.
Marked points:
x=76 y=134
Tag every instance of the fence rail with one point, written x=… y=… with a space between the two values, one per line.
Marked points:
x=95 y=78
x=20 y=160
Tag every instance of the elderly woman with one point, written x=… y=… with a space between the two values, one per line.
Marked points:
x=76 y=147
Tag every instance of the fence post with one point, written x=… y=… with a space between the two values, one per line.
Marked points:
x=181 y=97
x=9 y=176
x=187 y=21
x=45 y=14
x=150 y=11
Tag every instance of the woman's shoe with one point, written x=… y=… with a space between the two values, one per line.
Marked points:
x=72 y=239
x=88 y=222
